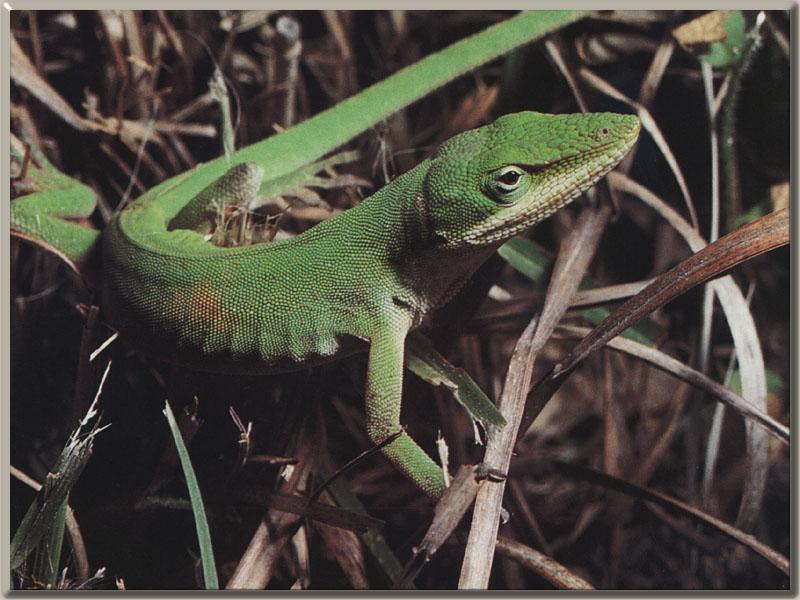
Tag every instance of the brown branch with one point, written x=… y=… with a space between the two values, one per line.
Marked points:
x=765 y=234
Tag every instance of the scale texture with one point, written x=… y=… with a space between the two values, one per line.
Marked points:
x=364 y=278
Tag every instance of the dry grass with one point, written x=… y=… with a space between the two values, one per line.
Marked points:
x=120 y=100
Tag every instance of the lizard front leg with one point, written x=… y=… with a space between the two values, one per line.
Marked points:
x=383 y=401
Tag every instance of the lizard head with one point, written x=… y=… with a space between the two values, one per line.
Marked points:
x=486 y=185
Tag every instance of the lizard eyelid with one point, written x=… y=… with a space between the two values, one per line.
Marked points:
x=538 y=168
x=530 y=169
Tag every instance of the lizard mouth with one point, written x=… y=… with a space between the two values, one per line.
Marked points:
x=570 y=177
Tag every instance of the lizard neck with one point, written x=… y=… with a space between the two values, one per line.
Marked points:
x=395 y=222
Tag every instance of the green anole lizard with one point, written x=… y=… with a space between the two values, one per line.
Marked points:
x=359 y=281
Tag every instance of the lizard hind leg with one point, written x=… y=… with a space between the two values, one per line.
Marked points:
x=237 y=187
x=383 y=401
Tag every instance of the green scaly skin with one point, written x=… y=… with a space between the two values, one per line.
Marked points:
x=288 y=159
x=362 y=280
x=365 y=277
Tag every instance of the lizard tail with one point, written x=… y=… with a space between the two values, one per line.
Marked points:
x=40 y=217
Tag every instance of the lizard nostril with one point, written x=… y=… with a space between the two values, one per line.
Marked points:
x=601 y=133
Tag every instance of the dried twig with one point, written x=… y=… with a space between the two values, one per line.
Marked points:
x=626 y=487
x=745 y=337
x=763 y=235
x=573 y=259
x=542 y=565
x=675 y=367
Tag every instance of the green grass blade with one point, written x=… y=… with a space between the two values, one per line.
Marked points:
x=48 y=558
x=373 y=540
x=42 y=527
x=315 y=137
x=526 y=257
x=423 y=360
x=201 y=523
x=533 y=262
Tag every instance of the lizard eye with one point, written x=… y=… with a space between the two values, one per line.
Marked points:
x=509 y=178
x=506 y=184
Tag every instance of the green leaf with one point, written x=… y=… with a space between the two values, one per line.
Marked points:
x=752 y=214
x=427 y=363
x=199 y=511
x=644 y=332
x=774 y=382
x=728 y=52
x=372 y=539
x=526 y=257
